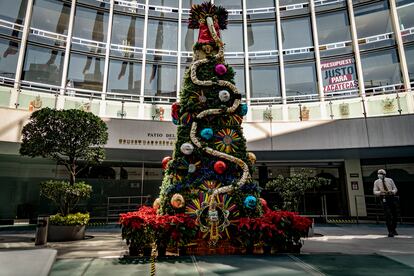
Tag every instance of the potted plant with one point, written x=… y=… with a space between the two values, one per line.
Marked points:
x=248 y=233
x=183 y=230
x=66 y=136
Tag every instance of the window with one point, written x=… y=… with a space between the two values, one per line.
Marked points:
x=262 y=36
x=233 y=37
x=239 y=78
x=9 y=52
x=373 y=20
x=188 y=3
x=229 y=4
x=124 y=77
x=128 y=30
x=254 y=4
x=264 y=81
x=296 y=33
x=86 y=72
x=13 y=11
x=91 y=24
x=406 y=19
x=164 y=3
x=300 y=79
x=188 y=37
x=409 y=56
x=43 y=65
x=162 y=34
x=333 y=27
x=381 y=68
x=51 y=16
x=160 y=80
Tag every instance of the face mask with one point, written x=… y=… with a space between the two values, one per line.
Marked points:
x=380 y=176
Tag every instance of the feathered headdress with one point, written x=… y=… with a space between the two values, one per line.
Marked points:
x=199 y=13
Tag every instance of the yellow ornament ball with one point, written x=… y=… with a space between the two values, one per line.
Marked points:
x=252 y=157
x=157 y=204
x=177 y=201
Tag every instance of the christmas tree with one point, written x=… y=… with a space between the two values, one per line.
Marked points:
x=209 y=174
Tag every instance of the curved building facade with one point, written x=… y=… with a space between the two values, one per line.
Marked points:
x=300 y=64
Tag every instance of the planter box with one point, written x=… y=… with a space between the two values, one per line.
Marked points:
x=58 y=233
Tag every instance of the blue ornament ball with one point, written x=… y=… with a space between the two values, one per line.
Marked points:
x=250 y=202
x=243 y=109
x=207 y=133
x=175 y=121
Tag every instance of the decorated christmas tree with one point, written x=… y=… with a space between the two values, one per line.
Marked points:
x=209 y=174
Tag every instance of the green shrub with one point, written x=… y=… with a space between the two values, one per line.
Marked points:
x=65 y=195
x=71 y=219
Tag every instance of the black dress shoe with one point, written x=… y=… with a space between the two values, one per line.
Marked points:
x=390 y=235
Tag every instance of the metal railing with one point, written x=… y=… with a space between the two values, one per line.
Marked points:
x=122 y=204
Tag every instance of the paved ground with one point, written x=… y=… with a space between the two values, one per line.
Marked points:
x=336 y=250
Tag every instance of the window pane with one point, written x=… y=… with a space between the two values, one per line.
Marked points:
x=264 y=81
x=372 y=20
x=229 y=4
x=333 y=27
x=9 y=52
x=124 y=77
x=43 y=65
x=381 y=68
x=296 y=33
x=233 y=37
x=188 y=3
x=406 y=18
x=160 y=80
x=13 y=10
x=188 y=37
x=253 y=4
x=300 y=79
x=409 y=56
x=86 y=72
x=239 y=78
x=128 y=30
x=262 y=36
x=162 y=35
x=91 y=24
x=51 y=15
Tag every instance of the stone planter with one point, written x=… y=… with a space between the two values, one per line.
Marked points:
x=57 y=233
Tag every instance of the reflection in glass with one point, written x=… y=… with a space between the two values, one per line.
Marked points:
x=165 y=3
x=239 y=78
x=91 y=24
x=162 y=34
x=160 y=80
x=229 y=4
x=124 y=77
x=233 y=37
x=86 y=72
x=260 y=4
x=409 y=56
x=406 y=17
x=296 y=33
x=8 y=58
x=333 y=27
x=13 y=10
x=188 y=37
x=128 y=30
x=373 y=19
x=264 y=81
x=262 y=36
x=43 y=65
x=300 y=79
x=51 y=15
x=188 y=3
x=381 y=68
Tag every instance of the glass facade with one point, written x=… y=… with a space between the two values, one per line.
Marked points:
x=273 y=53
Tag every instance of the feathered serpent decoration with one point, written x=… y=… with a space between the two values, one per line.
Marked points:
x=199 y=13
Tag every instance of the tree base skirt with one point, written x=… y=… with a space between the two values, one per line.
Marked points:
x=59 y=233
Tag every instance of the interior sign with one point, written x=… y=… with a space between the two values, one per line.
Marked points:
x=339 y=75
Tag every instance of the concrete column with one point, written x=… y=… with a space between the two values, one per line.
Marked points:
x=14 y=97
x=144 y=59
x=61 y=98
x=180 y=16
x=281 y=62
x=400 y=44
x=355 y=188
x=317 y=60
x=102 y=106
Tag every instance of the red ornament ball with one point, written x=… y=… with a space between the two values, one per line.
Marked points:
x=220 y=167
x=220 y=69
x=174 y=110
x=165 y=161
